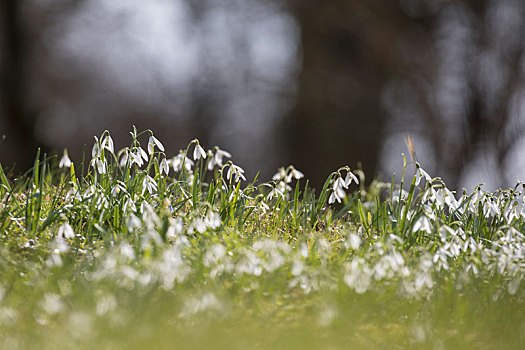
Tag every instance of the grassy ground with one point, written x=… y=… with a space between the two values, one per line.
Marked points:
x=132 y=249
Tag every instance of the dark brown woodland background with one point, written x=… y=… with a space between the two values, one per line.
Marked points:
x=317 y=84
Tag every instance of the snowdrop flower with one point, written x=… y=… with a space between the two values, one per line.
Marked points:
x=133 y=223
x=450 y=199
x=358 y=275
x=101 y=166
x=334 y=197
x=73 y=194
x=280 y=174
x=66 y=231
x=235 y=170
x=213 y=220
x=124 y=158
x=420 y=173
x=65 y=162
x=293 y=174
x=175 y=228
x=490 y=208
x=129 y=204
x=337 y=191
x=198 y=152
x=349 y=178
x=441 y=258
x=89 y=191
x=178 y=160
x=164 y=168
x=136 y=158
x=283 y=187
x=404 y=196
x=102 y=202
x=116 y=189
x=263 y=206
x=197 y=224
x=216 y=159
x=152 y=142
x=274 y=193
x=107 y=143
x=355 y=241
x=95 y=151
x=214 y=255
x=142 y=153
x=422 y=224
x=149 y=184
x=339 y=184
x=514 y=212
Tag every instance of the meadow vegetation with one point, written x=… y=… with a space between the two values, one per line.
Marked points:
x=139 y=248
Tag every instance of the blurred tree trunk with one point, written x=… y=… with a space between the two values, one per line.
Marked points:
x=19 y=132
x=347 y=51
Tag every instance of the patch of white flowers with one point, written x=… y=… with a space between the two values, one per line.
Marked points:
x=173 y=234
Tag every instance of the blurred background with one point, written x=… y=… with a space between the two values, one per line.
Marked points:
x=317 y=84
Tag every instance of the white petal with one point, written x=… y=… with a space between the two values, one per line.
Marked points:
x=158 y=143
x=151 y=145
x=108 y=144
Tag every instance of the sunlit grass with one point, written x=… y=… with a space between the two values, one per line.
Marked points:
x=138 y=249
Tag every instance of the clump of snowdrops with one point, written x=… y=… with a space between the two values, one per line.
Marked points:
x=84 y=245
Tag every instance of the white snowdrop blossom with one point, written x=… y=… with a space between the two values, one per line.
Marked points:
x=293 y=174
x=116 y=189
x=213 y=220
x=136 y=158
x=491 y=209
x=422 y=224
x=124 y=158
x=279 y=175
x=149 y=184
x=355 y=241
x=420 y=173
x=142 y=153
x=199 y=225
x=164 y=167
x=133 y=223
x=339 y=184
x=198 y=152
x=107 y=143
x=263 y=206
x=66 y=231
x=349 y=178
x=89 y=191
x=73 y=194
x=236 y=171
x=128 y=203
x=175 y=228
x=102 y=202
x=101 y=166
x=337 y=191
x=274 y=193
x=404 y=196
x=283 y=187
x=441 y=258
x=95 y=151
x=152 y=142
x=65 y=162
x=334 y=197
x=179 y=161
x=217 y=158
